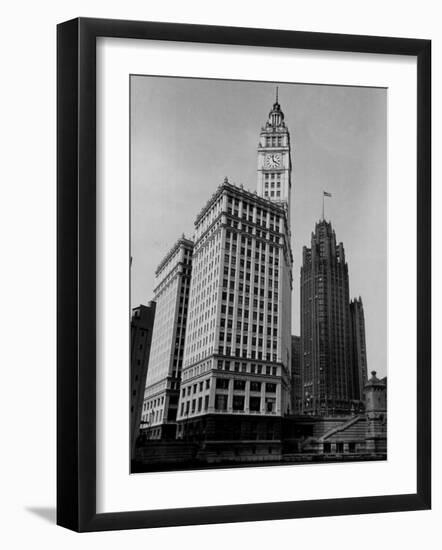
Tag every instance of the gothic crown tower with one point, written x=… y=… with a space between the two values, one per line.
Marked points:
x=274 y=159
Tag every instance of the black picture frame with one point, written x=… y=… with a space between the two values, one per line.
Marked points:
x=76 y=274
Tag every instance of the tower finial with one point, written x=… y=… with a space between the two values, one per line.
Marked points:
x=276 y=94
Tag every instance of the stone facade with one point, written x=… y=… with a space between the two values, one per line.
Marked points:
x=362 y=435
x=237 y=350
x=238 y=345
x=359 y=347
x=173 y=277
x=328 y=382
x=274 y=160
x=296 y=388
x=376 y=413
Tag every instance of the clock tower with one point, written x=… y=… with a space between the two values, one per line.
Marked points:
x=274 y=160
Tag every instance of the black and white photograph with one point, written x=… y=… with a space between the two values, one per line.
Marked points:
x=258 y=273
x=222 y=217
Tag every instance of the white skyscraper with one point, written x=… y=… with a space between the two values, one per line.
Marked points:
x=274 y=159
x=173 y=277
x=237 y=356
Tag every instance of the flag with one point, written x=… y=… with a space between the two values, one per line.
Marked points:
x=327 y=194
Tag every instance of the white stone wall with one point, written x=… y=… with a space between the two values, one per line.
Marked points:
x=168 y=291
x=238 y=345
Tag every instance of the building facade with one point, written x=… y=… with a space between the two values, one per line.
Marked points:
x=359 y=347
x=173 y=277
x=141 y=338
x=238 y=345
x=376 y=413
x=237 y=353
x=274 y=160
x=328 y=382
x=296 y=381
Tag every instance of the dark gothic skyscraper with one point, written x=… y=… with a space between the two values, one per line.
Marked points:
x=296 y=387
x=359 y=347
x=328 y=382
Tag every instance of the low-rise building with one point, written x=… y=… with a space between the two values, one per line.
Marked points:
x=141 y=338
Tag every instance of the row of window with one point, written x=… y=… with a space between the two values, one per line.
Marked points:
x=241 y=287
x=271 y=177
x=260 y=222
x=252 y=368
x=147 y=405
x=194 y=405
x=243 y=241
x=221 y=400
x=238 y=402
x=230 y=297
x=199 y=386
x=256 y=304
x=258 y=269
x=251 y=230
x=274 y=141
x=240 y=384
x=253 y=354
x=261 y=215
x=272 y=185
x=272 y=194
x=243 y=325
x=231 y=259
x=197 y=370
x=207 y=221
x=244 y=340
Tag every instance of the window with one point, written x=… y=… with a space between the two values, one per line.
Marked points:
x=238 y=402
x=255 y=404
x=222 y=383
x=239 y=385
x=270 y=388
x=255 y=386
x=220 y=402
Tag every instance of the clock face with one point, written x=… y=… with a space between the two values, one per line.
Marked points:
x=273 y=160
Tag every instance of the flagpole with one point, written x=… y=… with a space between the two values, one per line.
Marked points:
x=323 y=206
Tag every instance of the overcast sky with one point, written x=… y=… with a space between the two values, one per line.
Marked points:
x=188 y=134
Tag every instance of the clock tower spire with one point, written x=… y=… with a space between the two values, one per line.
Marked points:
x=274 y=159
